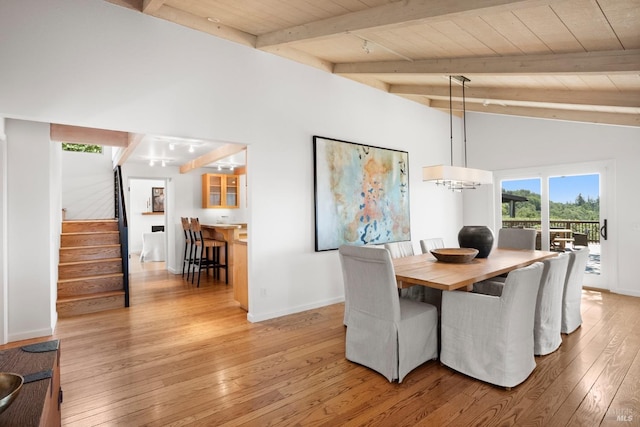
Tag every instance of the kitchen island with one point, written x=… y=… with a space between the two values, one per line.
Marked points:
x=229 y=233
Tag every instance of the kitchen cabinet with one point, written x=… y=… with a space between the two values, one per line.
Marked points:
x=220 y=191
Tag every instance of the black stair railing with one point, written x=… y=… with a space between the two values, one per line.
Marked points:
x=121 y=216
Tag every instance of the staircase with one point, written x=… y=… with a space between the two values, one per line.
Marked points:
x=90 y=277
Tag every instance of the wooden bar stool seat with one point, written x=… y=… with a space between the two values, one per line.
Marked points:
x=205 y=260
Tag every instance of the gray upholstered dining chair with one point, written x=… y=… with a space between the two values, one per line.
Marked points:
x=427 y=245
x=490 y=338
x=572 y=292
x=517 y=238
x=386 y=333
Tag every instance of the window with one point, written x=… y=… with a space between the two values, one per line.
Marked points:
x=82 y=148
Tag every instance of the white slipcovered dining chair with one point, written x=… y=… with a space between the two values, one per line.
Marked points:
x=548 y=315
x=517 y=238
x=490 y=338
x=427 y=245
x=388 y=334
x=546 y=328
x=400 y=250
x=345 y=320
x=572 y=292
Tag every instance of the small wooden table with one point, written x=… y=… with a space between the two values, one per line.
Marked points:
x=560 y=237
x=38 y=403
x=427 y=271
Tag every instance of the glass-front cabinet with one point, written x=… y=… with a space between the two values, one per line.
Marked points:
x=220 y=191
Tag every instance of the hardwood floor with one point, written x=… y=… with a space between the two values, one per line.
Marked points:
x=183 y=355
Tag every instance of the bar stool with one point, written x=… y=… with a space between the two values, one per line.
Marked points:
x=204 y=259
x=187 y=259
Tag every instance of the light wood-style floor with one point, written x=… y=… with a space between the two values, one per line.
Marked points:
x=187 y=356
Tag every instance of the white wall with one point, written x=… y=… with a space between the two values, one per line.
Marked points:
x=87 y=185
x=139 y=199
x=4 y=271
x=91 y=63
x=502 y=142
x=33 y=199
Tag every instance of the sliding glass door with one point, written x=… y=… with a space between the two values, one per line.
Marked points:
x=568 y=205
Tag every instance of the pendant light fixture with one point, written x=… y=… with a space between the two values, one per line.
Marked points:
x=457 y=178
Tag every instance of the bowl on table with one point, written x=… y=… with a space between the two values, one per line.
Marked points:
x=10 y=385
x=455 y=255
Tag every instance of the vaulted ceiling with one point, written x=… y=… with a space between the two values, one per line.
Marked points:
x=573 y=60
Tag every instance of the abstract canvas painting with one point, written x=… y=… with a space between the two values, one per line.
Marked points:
x=361 y=194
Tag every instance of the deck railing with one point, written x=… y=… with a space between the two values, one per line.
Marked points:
x=590 y=228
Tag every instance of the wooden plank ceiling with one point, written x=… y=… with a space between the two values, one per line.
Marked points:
x=573 y=60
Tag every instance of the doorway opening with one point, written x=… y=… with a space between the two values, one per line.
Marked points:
x=147 y=223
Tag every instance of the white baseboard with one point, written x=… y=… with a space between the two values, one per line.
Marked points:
x=254 y=318
x=30 y=334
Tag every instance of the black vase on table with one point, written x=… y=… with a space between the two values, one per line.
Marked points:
x=479 y=237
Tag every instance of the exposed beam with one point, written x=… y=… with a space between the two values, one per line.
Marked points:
x=581 y=97
x=151 y=6
x=301 y=57
x=212 y=156
x=203 y=24
x=123 y=153
x=620 y=119
x=399 y=13
x=623 y=61
x=82 y=135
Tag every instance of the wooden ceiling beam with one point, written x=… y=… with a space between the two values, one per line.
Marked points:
x=212 y=156
x=82 y=135
x=124 y=153
x=394 y=14
x=203 y=24
x=602 y=62
x=628 y=98
x=620 y=119
x=151 y=6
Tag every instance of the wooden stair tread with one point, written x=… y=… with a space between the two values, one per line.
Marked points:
x=89 y=233
x=67 y=248
x=96 y=295
x=89 y=220
x=91 y=261
x=101 y=276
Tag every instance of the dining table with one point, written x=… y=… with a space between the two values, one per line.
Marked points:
x=425 y=270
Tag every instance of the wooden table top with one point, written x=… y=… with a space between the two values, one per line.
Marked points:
x=425 y=270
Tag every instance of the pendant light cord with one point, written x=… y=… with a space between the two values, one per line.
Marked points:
x=450 y=122
x=464 y=123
